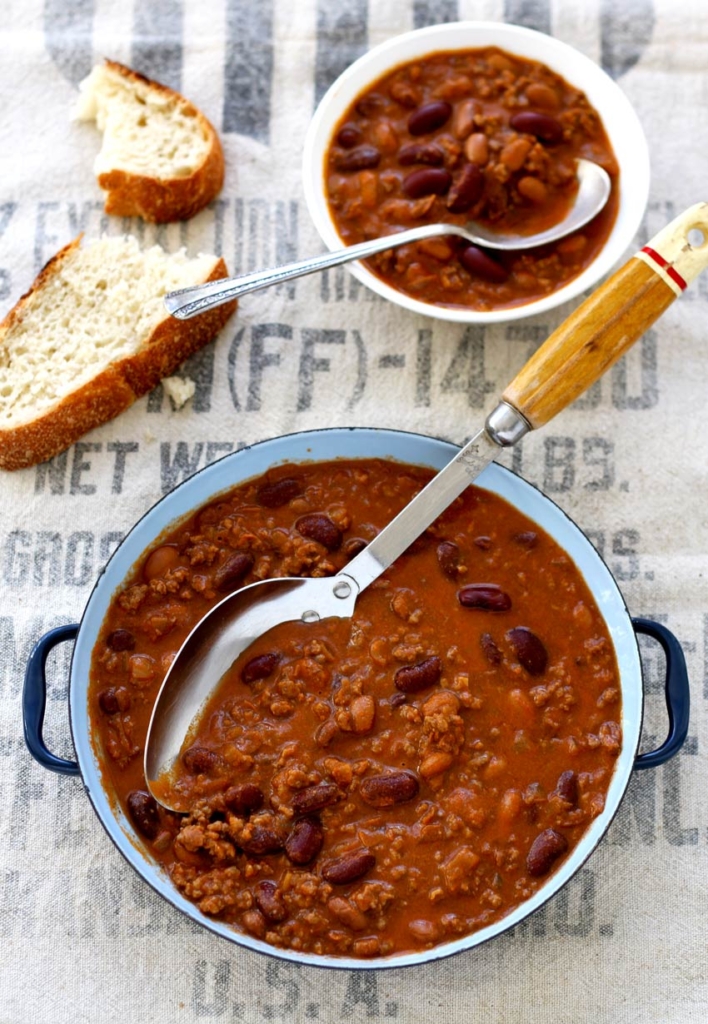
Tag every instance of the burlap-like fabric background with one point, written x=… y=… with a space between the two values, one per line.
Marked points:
x=81 y=937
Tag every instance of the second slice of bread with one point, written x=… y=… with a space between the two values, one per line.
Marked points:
x=161 y=158
x=90 y=337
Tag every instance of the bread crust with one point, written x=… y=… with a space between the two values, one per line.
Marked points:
x=115 y=388
x=161 y=200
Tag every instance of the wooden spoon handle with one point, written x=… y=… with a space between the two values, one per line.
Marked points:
x=611 y=319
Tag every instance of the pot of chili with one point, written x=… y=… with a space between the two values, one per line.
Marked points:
x=379 y=793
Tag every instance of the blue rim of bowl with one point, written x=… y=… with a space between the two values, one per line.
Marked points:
x=123 y=836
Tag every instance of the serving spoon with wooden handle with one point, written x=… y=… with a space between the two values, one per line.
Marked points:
x=570 y=361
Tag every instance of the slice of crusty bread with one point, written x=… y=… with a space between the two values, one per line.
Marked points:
x=161 y=159
x=91 y=336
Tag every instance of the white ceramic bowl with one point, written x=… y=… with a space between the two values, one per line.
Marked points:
x=619 y=118
x=232 y=470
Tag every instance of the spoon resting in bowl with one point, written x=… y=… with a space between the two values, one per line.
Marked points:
x=593 y=192
x=570 y=360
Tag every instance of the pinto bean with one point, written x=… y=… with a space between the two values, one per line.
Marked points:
x=255 y=923
x=428 y=181
x=348 y=913
x=412 y=678
x=354 y=546
x=448 y=558
x=428 y=117
x=120 y=640
x=487 y=597
x=543 y=126
x=320 y=528
x=530 y=651
x=279 y=492
x=200 y=761
x=114 y=699
x=358 y=159
x=544 y=96
x=567 y=787
x=315 y=798
x=546 y=848
x=348 y=868
x=229 y=575
x=144 y=813
x=269 y=900
x=260 y=667
x=304 y=841
x=533 y=189
x=161 y=561
x=244 y=798
x=389 y=789
x=477 y=148
x=466 y=189
x=420 y=153
x=515 y=152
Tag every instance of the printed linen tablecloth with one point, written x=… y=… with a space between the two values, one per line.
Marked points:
x=83 y=938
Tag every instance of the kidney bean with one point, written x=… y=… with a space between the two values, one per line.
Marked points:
x=358 y=159
x=412 y=678
x=114 y=699
x=354 y=546
x=429 y=181
x=260 y=667
x=229 y=575
x=483 y=543
x=546 y=848
x=428 y=117
x=466 y=189
x=389 y=789
x=370 y=104
x=348 y=913
x=269 y=900
x=530 y=651
x=279 y=492
x=477 y=148
x=487 y=597
x=418 y=153
x=244 y=798
x=161 y=561
x=567 y=787
x=348 y=868
x=491 y=651
x=319 y=527
x=261 y=841
x=527 y=539
x=304 y=841
x=478 y=263
x=543 y=126
x=532 y=189
x=348 y=136
x=143 y=810
x=448 y=558
x=315 y=798
x=200 y=761
x=120 y=640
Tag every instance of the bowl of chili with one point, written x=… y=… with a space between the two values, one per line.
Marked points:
x=465 y=121
x=319 y=896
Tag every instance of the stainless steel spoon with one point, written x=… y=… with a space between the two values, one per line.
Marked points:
x=593 y=192
x=571 y=359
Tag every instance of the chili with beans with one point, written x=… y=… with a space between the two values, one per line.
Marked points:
x=470 y=135
x=372 y=786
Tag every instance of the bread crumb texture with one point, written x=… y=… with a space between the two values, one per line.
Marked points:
x=95 y=306
x=147 y=128
x=179 y=389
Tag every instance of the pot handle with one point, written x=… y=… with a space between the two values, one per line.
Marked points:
x=677 y=693
x=34 y=700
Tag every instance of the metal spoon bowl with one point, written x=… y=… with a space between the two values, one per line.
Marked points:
x=594 y=188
